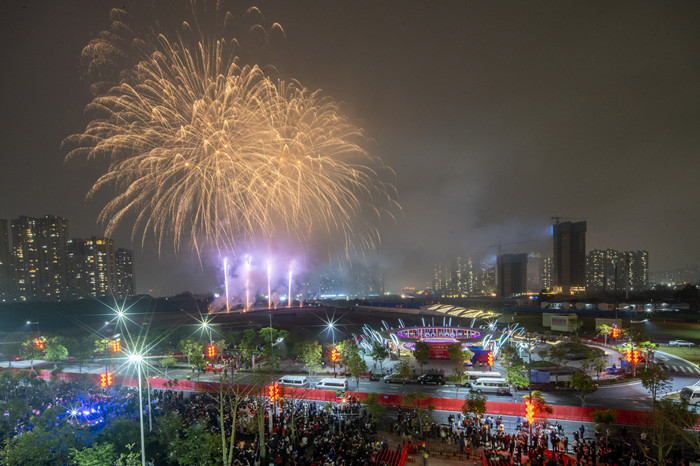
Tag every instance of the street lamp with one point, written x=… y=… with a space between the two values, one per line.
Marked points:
x=137 y=359
x=30 y=323
x=206 y=327
x=333 y=350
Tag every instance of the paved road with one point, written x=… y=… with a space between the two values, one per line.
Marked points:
x=624 y=396
x=684 y=372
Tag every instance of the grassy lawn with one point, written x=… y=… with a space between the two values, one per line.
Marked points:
x=691 y=354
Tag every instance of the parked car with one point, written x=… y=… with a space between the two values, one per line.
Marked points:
x=396 y=378
x=680 y=343
x=437 y=379
x=691 y=394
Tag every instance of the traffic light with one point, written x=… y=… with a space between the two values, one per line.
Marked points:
x=211 y=351
x=39 y=343
x=529 y=411
x=334 y=355
x=615 y=332
x=106 y=380
x=116 y=346
x=489 y=359
x=273 y=392
x=628 y=355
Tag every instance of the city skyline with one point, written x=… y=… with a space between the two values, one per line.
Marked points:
x=494 y=117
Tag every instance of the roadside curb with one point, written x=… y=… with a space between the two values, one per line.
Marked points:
x=625 y=384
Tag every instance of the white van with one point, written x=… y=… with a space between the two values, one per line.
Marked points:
x=691 y=394
x=491 y=385
x=474 y=375
x=333 y=384
x=294 y=381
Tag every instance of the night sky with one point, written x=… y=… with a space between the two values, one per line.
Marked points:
x=495 y=116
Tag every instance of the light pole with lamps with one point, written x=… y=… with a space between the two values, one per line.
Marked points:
x=138 y=360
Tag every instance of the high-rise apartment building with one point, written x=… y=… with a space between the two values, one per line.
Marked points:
x=92 y=266
x=45 y=265
x=638 y=270
x=96 y=269
x=6 y=272
x=612 y=271
x=569 y=260
x=547 y=273
x=439 y=279
x=366 y=280
x=39 y=256
x=125 y=284
x=512 y=274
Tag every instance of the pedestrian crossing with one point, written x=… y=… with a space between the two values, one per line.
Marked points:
x=682 y=369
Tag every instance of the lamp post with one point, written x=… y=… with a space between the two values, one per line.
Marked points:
x=30 y=323
x=138 y=359
x=332 y=327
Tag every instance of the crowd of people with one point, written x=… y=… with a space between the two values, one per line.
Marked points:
x=294 y=432
x=547 y=444
x=301 y=433
x=309 y=433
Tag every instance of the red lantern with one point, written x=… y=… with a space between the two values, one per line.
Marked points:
x=529 y=411
x=106 y=379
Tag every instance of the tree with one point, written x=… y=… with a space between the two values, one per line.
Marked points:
x=55 y=351
x=270 y=337
x=196 y=447
x=604 y=418
x=229 y=398
x=597 y=360
x=357 y=366
x=421 y=353
x=404 y=371
x=95 y=455
x=654 y=380
x=474 y=404
x=416 y=400
x=49 y=442
x=120 y=432
x=557 y=354
x=458 y=356
x=510 y=356
x=189 y=348
x=198 y=363
x=347 y=350
x=667 y=423
x=167 y=427
x=583 y=384
x=249 y=343
x=379 y=353
x=516 y=377
x=14 y=410
x=168 y=362
x=373 y=407
x=81 y=350
x=311 y=356
x=30 y=350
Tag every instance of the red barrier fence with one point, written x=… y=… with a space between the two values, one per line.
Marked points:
x=571 y=413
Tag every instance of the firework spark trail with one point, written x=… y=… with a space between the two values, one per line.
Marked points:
x=203 y=149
